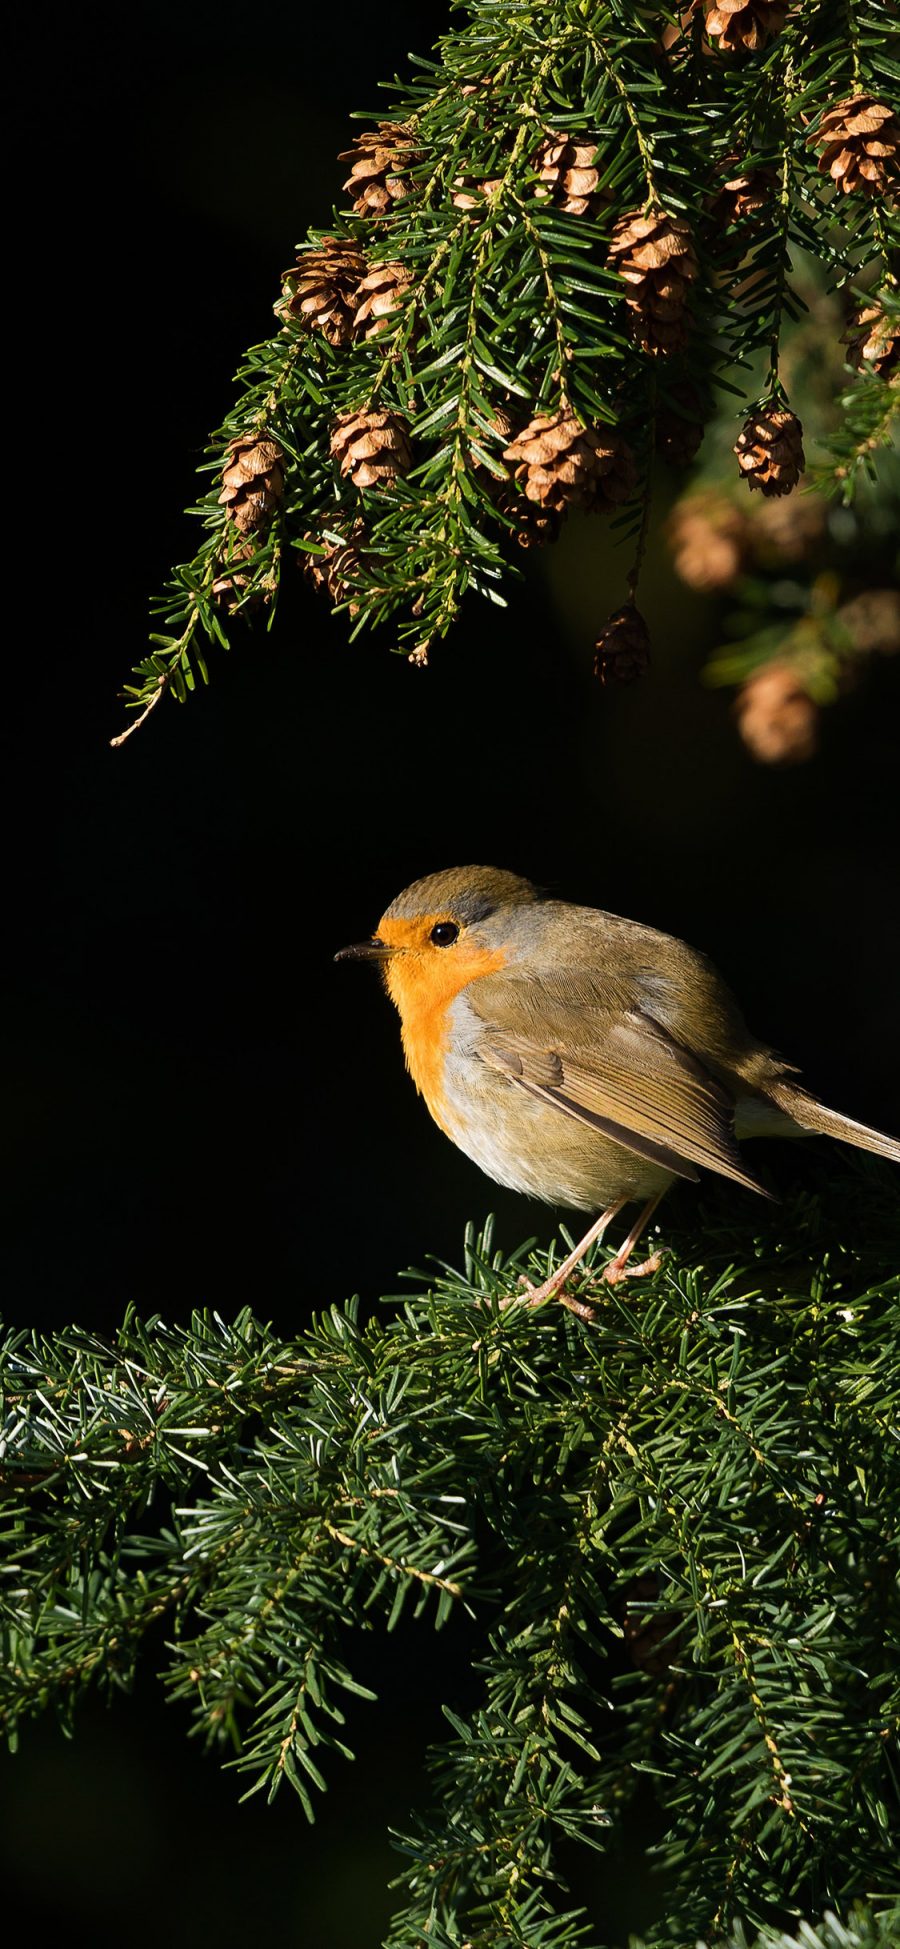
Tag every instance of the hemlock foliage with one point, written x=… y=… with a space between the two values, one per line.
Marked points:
x=675 y=1530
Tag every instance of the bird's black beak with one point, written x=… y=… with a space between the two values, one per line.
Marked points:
x=373 y=950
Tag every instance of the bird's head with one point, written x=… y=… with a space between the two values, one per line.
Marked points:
x=443 y=931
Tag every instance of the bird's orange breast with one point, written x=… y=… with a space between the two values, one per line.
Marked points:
x=422 y=981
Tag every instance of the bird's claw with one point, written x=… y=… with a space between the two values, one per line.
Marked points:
x=618 y=1270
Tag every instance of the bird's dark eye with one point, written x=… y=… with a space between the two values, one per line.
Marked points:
x=445 y=933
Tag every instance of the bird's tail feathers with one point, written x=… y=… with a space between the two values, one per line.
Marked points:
x=811 y=1115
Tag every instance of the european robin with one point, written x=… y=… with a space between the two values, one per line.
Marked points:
x=579 y=1057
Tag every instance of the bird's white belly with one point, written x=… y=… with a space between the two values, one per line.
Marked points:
x=535 y=1148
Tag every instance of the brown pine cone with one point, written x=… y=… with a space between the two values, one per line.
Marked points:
x=229 y=588
x=561 y=464
x=565 y=165
x=680 y=424
x=655 y=255
x=860 y=143
x=708 y=538
x=742 y=198
x=377 y=295
x=873 y=341
x=469 y=194
x=745 y=26
x=379 y=157
x=777 y=718
x=623 y=647
x=371 y=448
x=320 y=289
x=782 y=531
x=252 y=481
x=331 y=572
x=769 y=450
x=872 y=621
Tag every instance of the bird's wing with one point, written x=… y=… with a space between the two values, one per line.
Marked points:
x=621 y=1074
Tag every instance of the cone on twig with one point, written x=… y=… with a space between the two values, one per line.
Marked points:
x=469 y=194
x=873 y=341
x=378 y=294
x=252 y=481
x=860 y=143
x=230 y=588
x=655 y=256
x=742 y=198
x=708 y=538
x=744 y=26
x=371 y=448
x=320 y=289
x=561 y=464
x=569 y=178
x=777 y=718
x=769 y=450
x=379 y=158
x=623 y=647
x=331 y=571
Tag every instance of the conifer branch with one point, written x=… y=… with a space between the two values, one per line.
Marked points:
x=495 y=210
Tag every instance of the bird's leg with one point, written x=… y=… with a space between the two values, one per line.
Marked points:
x=618 y=1267
x=553 y=1287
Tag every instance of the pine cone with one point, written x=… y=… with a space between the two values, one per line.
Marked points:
x=371 y=448
x=680 y=424
x=377 y=295
x=320 y=289
x=707 y=535
x=777 y=718
x=561 y=464
x=378 y=158
x=469 y=194
x=623 y=647
x=655 y=255
x=741 y=199
x=769 y=450
x=860 y=143
x=872 y=621
x=873 y=341
x=745 y=26
x=229 y=589
x=332 y=571
x=783 y=531
x=252 y=481
x=565 y=165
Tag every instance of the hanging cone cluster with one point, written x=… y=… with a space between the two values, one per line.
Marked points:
x=252 y=481
x=320 y=290
x=568 y=177
x=873 y=341
x=745 y=26
x=656 y=257
x=777 y=718
x=332 y=571
x=377 y=295
x=371 y=448
x=379 y=158
x=769 y=450
x=561 y=464
x=623 y=647
x=680 y=424
x=860 y=143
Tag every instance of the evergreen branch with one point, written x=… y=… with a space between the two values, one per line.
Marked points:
x=497 y=301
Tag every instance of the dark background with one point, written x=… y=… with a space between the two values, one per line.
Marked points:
x=203 y=1109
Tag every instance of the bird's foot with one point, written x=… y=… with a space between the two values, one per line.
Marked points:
x=619 y=1269
x=553 y=1288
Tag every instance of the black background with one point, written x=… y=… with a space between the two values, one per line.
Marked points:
x=203 y=1109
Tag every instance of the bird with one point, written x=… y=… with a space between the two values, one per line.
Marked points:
x=579 y=1057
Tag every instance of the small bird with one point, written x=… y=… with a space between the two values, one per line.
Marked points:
x=579 y=1057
